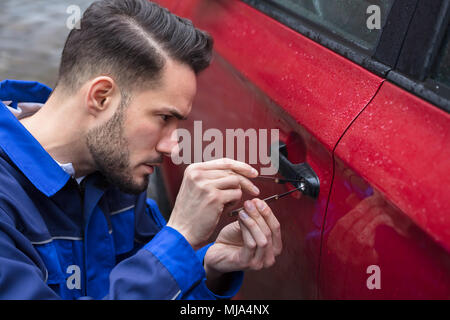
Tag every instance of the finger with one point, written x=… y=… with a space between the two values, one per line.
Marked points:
x=254 y=213
x=231 y=180
x=230 y=196
x=272 y=223
x=248 y=251
x=228 y=164
x=260 y=240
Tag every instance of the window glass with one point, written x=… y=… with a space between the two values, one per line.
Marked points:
x=358 y=21
x=442 y=69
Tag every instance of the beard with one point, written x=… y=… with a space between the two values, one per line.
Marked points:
x=109 y=149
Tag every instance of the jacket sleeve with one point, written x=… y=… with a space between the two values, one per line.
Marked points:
x=22 y=272
x=167 y=267
x=202 y=292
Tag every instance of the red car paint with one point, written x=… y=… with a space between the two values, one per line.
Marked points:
x=389 y=204
x=386 y=205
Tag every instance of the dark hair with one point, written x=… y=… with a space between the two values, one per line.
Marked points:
x=130 y=41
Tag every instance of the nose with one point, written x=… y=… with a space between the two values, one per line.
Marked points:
x=168 y=143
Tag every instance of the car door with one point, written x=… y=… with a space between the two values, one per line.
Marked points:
x=387 y=229
x=273 y=69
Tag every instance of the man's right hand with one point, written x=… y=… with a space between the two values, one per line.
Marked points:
x=207 y=189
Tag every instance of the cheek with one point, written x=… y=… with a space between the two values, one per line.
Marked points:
x=143 y=136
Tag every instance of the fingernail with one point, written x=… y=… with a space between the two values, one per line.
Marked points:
x=255 y=171
x=261 y=206
x=249 y=206
x=255 y=189
x=243 y=215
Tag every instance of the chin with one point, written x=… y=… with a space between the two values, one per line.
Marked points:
x=134 y=189
x=132 y=186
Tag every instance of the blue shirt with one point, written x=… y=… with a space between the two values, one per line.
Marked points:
x=59 y=239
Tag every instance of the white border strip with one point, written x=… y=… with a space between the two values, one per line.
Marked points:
x=176 y=295
x=56 y=238
x=121 y=210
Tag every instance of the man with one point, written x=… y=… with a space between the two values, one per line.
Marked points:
x=74 y=218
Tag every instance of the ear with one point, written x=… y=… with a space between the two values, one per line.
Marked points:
x=101 y=95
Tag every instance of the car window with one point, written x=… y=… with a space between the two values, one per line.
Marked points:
x=357 y=21
x=441 y=71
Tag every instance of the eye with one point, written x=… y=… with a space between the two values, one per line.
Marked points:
x=165 y=117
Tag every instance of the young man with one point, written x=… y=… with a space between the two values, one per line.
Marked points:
x=74 y=218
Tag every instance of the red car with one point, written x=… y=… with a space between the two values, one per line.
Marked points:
x=359 y=91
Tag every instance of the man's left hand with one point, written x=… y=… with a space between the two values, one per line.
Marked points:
x=250 y=243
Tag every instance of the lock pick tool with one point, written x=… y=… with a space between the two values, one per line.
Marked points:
x=274 y=197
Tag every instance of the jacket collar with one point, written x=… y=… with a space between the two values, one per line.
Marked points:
x=20 y=146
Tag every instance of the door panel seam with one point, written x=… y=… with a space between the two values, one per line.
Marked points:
x=331 y=185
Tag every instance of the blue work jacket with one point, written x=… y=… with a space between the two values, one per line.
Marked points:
x=61 y=239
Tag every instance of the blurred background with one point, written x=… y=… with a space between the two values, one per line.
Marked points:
x=32 y=36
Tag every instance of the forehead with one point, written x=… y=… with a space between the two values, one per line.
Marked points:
x=176 y=89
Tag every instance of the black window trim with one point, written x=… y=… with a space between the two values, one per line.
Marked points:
x=418 y=58
x=372 y=61
x=394 y=44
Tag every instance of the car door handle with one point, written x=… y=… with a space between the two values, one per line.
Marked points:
x=300 y=171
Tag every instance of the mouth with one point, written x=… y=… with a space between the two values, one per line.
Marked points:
x=150 y=168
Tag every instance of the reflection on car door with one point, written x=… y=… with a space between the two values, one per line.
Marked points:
x=389 y=204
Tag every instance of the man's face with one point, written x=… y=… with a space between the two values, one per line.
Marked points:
x=128 y=146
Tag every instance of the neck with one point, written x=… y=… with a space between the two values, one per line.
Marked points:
x=61 y=132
